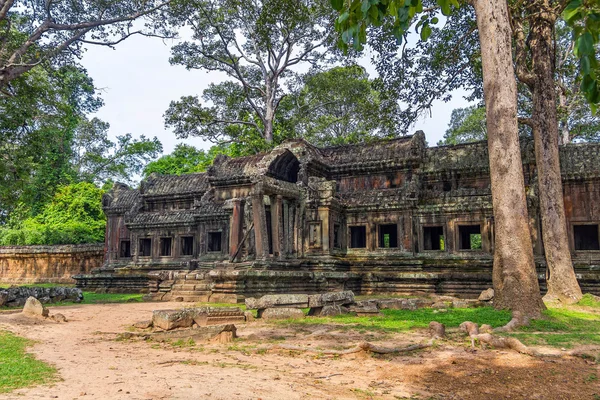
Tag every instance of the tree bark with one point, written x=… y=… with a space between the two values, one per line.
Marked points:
x=515 y=281
x=562 y=282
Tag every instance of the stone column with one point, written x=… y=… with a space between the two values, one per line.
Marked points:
x=324 y=217
x=286 y=249
x=236 y=227
x=276 y=218
x=261 y=239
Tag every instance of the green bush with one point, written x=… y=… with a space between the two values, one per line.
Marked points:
x=74 y=216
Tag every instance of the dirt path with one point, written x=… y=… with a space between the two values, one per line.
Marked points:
x=94 y=365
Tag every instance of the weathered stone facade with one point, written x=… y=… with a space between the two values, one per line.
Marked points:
x=387 y=217
x=48 y=264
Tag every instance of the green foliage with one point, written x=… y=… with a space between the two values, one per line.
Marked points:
x=258 y=44
x=466 y=125
x=357 y=15
x=339 y=106
x=98 y=159
x=73 y=216
x=584 y=19
x=19 y=369
x=184 y=159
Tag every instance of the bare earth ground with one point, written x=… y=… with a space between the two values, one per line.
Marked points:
x=94 y=365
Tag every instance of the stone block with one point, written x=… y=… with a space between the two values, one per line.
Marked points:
x=328 y=311
x=442 y=305
x=226 y=298
x=198 y=333
x=143 y=324
x=3 y=297
x=205 y=316
x=34 y=308
x=486 y=295
x=331 y=298
x=281 y=313
x=171 y=319
x=367 y=310
x=277 y=300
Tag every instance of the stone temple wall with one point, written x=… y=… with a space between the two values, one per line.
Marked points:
x=48 y=264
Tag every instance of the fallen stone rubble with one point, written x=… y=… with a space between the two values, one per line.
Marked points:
x=17 y=296
x=201 y=316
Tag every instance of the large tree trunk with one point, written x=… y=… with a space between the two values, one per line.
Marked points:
x=562 y=283
x=515 y=281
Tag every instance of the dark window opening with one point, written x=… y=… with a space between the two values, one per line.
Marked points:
x=388 y=236
x=187 y=245
x=269 y=229
x=391 y=179
x=433 y=238
x=214 y=241
x=165 y=247
x=586 y=237
x=447 y=186
x=145 y=247
x=337 y=237
x=469 y=237
x=125 y=249
x=358 y=237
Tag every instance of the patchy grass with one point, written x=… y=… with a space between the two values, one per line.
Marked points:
x=589 y=301
x=404 y=320
x=562 y=327
x=18 y=369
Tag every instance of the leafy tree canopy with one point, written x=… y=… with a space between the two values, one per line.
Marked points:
x=74 y=215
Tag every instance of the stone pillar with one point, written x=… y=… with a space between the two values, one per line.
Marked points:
x=261 y=239
x=236 y=227
x=276 y=218
x=286 y=232
x=324 y=217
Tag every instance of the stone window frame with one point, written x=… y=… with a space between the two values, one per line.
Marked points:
x=422 y=227
x=139 y=240
x=378 y=232
x=194 y=245
x=160 y=239
x=358 y=225
x=221 y=232
x=130 y=252
x=457 y=226
x=319 y=229
x=572 y=226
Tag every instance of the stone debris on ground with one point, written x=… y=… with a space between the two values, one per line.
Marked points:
x=281 y=313
x=17 y=296
x=34 y=308
x=487 y=295
x=201 y=316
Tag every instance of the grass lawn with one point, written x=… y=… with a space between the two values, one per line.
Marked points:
x=559 y=327
x=18 y=369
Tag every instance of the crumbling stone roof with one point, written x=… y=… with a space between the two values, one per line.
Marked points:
x=374 y=154
x=580 y=160
x=183 y=217
x=120 y=199
x=172 y=185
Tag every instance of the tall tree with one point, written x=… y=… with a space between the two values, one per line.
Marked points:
x=256 y=43
x=514 y=275
x=98 y=159
x=466 y=125
x=534 y=27
x=341 y=105
x=36 y=32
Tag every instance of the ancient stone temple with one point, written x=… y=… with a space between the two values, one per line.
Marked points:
x=390 y=216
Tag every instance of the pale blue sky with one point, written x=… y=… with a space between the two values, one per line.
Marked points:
x=138 y=83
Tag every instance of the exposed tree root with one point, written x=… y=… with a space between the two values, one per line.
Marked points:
x=497 y=342
x=364 y=346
